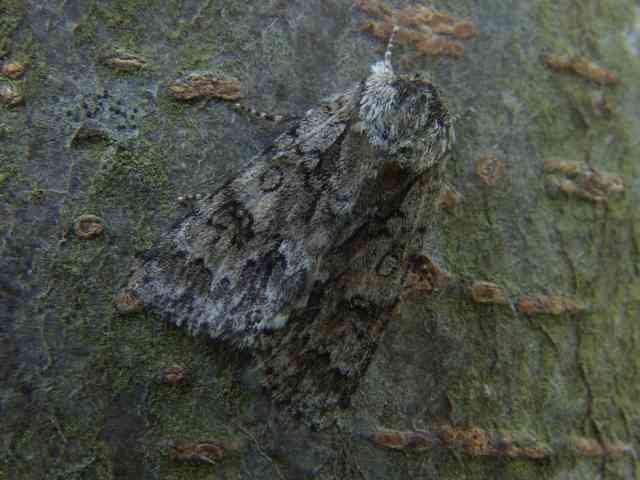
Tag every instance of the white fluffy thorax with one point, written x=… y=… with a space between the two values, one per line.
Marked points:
x=378 y=103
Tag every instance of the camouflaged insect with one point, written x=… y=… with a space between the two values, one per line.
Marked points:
x=302 y=258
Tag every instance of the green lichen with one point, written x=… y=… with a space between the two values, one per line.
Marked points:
x=37 y=193
x=125 y=21
x=11 y=14
x=552 y=396
x=577 y=29
x=130 y=174
x=128 y=355
x=5 y=176
x=567 y=127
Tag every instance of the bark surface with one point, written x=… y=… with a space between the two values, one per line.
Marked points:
x=512 y=351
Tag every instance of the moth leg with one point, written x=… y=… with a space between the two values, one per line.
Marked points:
x=459 y=117
x=188 y=199
x=464 y=116
x=275 y=118
x=416 y=427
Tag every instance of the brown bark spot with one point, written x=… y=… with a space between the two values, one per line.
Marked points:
x=581 y=67
x=420 y=27
x=408 y=440
x=126 y=303
x=174 y=375
x=203 y=452
x=208 y=85
x=487 y=292
x=425 y=275
x=549 y=304
x=13 y=70
x=88 y=227
x=125 y=62
x=490 y=168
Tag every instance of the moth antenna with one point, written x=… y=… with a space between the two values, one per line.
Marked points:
x=390 y=45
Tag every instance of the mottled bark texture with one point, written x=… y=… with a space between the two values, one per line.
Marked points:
x=512 y=350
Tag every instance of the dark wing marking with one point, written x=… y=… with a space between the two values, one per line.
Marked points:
x=248 y=254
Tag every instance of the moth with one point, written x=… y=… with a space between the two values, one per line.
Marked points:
x=302 y=258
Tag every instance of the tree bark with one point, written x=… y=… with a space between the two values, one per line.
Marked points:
x=513 y=352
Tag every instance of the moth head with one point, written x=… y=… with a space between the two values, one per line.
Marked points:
x=420 y=131
x=404 y=116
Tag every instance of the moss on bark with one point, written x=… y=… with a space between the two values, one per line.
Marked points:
x=81 y=390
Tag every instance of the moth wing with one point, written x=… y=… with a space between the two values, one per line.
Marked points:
x=248 y=254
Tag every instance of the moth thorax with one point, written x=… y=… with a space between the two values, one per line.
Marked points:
x=378 y=104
